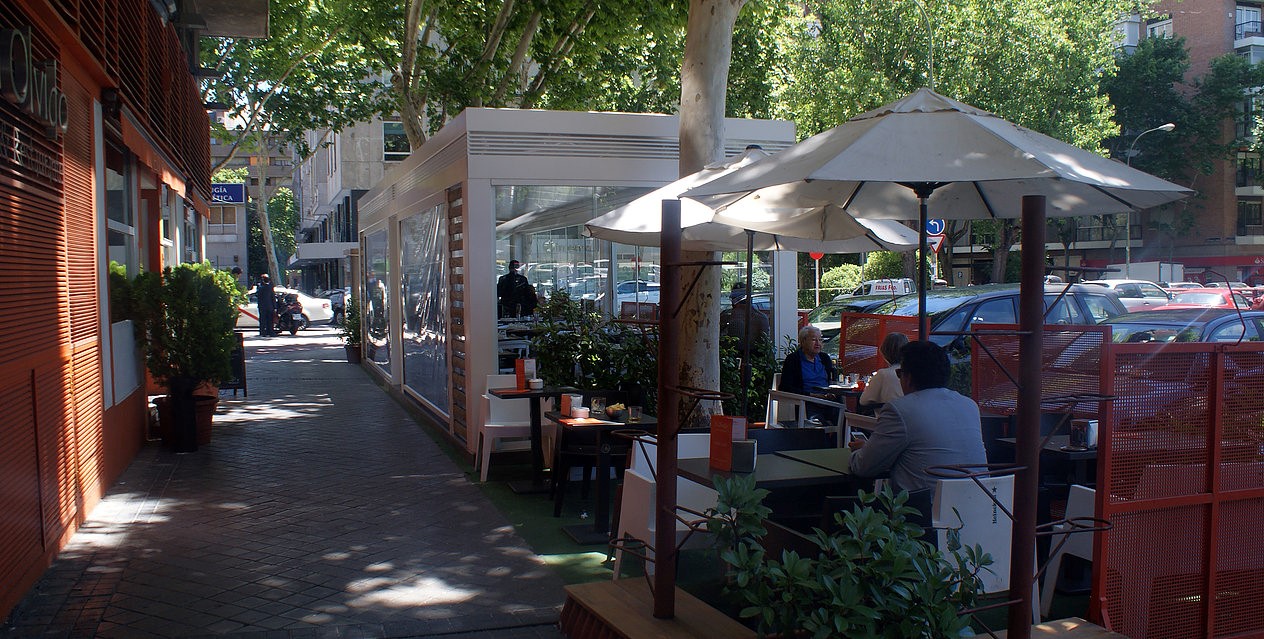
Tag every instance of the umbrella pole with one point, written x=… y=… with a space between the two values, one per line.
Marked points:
x=746 y=330
x=668 y=414
x=1027 y=482
x=923 y=192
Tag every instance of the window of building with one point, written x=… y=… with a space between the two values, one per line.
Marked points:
x=222 y=221
x=332 y=149
x=1244 y=122
x=1249 y=217
x=1248 y=169
x=121 y=242
x=1159 y=29
x=394 y=142
x=192 y=245
x=1247 y=21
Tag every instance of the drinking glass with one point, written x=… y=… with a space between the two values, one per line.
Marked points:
x=634 y=414
x=598 y=406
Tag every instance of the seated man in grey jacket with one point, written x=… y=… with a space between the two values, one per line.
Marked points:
x=930 y=426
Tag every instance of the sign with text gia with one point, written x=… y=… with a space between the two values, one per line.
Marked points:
x=228 y=193
x=934 y=226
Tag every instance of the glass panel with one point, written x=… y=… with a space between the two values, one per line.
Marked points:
x=542 y=227
x=119 y=247
x=377 y=306
x=118 y=205
x=423 y=283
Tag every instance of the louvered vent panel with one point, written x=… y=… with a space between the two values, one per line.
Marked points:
x=594 y=145
x=89 y=419
x=58 y=454
x=80 y=216
x=30 y=280
x=20 y=541
x=505 y=143
x=132 y=51
x=92 y=26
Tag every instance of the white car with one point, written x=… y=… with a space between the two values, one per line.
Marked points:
x=1137 y=295
x=316 y=310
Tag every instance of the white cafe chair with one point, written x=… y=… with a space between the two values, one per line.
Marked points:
x=1080 y=503
x=640 y=489
x=789 y=410
x=503 y=420
x=979 y=520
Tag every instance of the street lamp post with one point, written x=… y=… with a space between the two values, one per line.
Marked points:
x=1128 y=216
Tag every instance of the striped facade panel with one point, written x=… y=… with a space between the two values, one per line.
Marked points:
x=456 y=314
x=87 y=393
x=58 y=452
x=21 y=541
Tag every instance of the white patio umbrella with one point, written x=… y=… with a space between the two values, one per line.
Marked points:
x=966 y=163
x=926 y=151
x=638 y=222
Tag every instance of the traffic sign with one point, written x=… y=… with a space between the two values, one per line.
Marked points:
x=934 y=226
x=935 y=241
x=816 y=255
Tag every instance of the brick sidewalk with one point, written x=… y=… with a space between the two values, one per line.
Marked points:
x=321 y=509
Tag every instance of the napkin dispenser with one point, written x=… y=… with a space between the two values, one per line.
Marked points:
x=744 y=452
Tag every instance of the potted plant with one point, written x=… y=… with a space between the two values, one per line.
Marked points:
x=350 y=331
x=187 y=315
x=873 y=577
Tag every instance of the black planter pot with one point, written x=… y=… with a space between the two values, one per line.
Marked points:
x=184 y=414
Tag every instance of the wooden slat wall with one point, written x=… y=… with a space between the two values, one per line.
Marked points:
x=21 y=541
x=82 y=292
x=456 y=311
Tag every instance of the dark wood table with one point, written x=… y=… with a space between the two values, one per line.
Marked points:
x=599 y=531
x=536 y=485
x=773 y=471
x=833 y=459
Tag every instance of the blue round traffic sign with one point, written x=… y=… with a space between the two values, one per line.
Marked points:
x=934 y=226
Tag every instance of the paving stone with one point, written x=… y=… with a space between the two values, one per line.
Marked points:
x=307 y=505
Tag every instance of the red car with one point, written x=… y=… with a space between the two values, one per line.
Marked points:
x=1207 y=298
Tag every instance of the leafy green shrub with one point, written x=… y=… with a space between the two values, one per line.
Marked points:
x=846 y=277
x=186 y=318
x=874 y=577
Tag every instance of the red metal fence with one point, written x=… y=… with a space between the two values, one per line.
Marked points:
x=859 y=336
x=1180 y=473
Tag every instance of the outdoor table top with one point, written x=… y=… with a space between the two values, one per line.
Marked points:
x=648 y=422
x=772 y=471
x=834 y=459
x=547 y=391
x=1058 y=446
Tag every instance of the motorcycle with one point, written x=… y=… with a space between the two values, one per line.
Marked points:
x=289 y=314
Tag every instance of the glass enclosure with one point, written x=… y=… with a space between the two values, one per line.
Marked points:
x=542 y=227
x=424 y=292
x=376 y=320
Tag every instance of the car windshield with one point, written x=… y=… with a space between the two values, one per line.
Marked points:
x=1147 y=332
x=935 y=304
x=1205 y=299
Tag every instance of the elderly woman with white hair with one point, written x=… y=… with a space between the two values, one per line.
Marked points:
x=807 y=368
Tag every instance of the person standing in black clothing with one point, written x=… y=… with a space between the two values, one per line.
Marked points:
x=266 y=296
x=515 y=294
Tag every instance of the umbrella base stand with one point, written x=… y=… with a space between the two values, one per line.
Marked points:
x=625 y=608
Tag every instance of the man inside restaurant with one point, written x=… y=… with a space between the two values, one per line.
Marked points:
x=930 y=425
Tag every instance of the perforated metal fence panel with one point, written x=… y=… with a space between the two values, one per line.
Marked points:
x=1180 y=472
x=860 y=334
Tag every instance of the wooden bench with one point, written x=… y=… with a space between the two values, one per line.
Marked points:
x=624 y=609
x=1070 y=627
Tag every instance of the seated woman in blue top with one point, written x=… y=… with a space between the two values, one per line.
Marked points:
x=807 y=368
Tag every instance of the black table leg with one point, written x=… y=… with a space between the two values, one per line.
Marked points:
x=536 y=485
x=599 y=531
